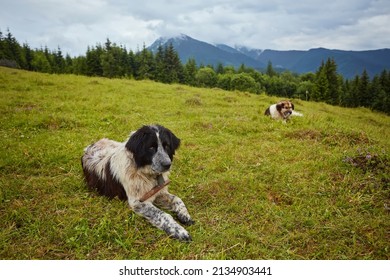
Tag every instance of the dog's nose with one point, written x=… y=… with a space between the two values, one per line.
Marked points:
x=166 y=165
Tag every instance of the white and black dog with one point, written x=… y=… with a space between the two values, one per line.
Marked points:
x=132 y=170
x=282 y=110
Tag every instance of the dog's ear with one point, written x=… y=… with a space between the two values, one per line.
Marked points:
x=172 y=139
x=140 y=145
x=292 y=105
x=175 y=141
x=136 y=140
x=279 y=106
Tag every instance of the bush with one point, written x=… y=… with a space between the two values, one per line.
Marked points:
x=206 y=77
x=244 y=82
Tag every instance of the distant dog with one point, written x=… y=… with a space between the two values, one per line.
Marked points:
x=282 y=110
x=136 y=170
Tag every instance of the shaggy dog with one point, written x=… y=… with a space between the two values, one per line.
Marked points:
x=137 y=171
x=282 y=110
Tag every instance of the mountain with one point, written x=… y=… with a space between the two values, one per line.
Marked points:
x=350 y=63
x=205 y=53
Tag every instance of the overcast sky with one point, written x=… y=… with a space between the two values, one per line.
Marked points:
x=272 y=24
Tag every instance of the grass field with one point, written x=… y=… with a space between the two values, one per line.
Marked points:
x=316 y=187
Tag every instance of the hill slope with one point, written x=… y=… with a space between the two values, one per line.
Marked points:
x=314 y=188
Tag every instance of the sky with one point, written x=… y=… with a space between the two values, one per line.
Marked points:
x=73 y=25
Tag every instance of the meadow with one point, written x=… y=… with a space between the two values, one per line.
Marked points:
x=316 y=187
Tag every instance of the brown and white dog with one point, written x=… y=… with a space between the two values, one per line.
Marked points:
x=132 y=170
x=282 y=110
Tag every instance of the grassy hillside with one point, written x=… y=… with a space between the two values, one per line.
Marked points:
x=314 y=188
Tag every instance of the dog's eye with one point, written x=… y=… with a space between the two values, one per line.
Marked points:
x=166 y=146
x=152 y=149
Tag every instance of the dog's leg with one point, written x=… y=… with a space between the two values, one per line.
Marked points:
x=160 y=219
x=173 y=203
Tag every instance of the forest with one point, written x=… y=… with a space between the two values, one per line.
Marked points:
x=115 y=61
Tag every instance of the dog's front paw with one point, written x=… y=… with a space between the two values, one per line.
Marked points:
x=179 y=233
x=185 y=220
x=183 y=236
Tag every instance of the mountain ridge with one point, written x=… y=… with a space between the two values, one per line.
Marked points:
x=204 y=53
x=350 y=63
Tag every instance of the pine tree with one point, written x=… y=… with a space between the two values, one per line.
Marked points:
x=321 y=87
x=10 y=52
x=145 y=64
x=270 y=70
x=332 y=77
x=364 y=96
x=327 y=83
x=173 y=66
x=190 y=71
x=382 y=100
x=58 y=61
x=354 y=92
x=93 y=61
x=131 y=64
x=28 y=57
x=111 y=61
x=68 y=64
x=160 y=74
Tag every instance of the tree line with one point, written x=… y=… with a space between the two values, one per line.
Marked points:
x=115 y=61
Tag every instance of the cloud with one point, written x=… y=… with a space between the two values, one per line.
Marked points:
x=281 y=24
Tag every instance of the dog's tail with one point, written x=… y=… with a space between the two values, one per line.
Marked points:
x=295 y=113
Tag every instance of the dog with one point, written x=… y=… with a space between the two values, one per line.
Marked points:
x=282 y=110
x=137 y=171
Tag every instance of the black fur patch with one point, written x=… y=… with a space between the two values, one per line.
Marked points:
x=109 y=186
x=143 y=145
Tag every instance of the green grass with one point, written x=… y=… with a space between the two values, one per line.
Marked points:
x=314 y=188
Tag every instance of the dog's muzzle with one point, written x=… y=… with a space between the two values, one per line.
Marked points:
x=161 y=162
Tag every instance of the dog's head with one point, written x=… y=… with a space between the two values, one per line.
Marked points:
x=285 y=108
x=153 y=145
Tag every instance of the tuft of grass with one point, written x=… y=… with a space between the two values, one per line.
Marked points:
x=316 y=187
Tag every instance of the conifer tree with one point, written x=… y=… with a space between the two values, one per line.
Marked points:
x=159 y=74
x=145 y=64
x=364 y=96
x=270 y=70
x=173 y=66
x=58 y=61
x=94 y=61
x=190 y=71
x=333 y=92
x=321 y=84
x=28 y=55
